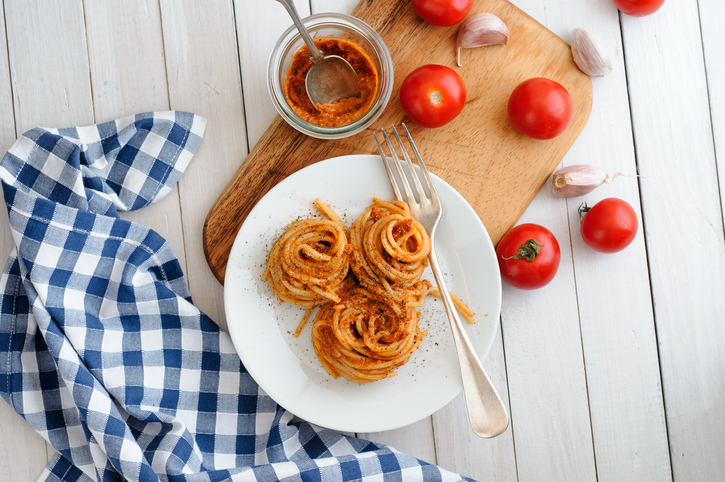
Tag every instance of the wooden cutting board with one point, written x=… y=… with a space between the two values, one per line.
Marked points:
x=480 y=153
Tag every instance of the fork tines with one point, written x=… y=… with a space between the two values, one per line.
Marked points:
x=399 y=179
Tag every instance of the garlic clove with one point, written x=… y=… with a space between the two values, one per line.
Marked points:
x=577 y=180
x=480 y=30
x=588 y=54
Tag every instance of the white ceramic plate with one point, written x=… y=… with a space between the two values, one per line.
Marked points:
x=286 y=367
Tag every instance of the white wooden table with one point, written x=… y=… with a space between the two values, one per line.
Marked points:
x=614 y=371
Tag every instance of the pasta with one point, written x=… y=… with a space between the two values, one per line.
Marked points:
x=366 y=281
x=362 y=340
x=392 y=254
x=309 y=263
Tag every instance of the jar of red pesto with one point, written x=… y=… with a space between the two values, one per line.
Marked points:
x=334 y=34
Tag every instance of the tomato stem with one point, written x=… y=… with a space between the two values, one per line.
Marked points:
x=583 y=209
x=528 y=251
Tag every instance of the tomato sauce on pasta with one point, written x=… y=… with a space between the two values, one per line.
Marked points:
x=366 y=281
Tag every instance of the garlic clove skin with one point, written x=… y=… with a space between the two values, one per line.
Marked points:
x=480 y=30
x=577 y=180
x=589 y=55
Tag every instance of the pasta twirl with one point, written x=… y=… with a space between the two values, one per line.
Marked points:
x=366 y=281
x=309 y=263
x=362 y=340
x=391 y=254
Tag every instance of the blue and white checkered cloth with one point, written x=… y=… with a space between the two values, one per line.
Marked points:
x=101 y=348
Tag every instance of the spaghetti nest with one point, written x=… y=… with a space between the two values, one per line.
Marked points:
x=309 y=263
x=366 y=281
x=392 y=254
x=362 y=340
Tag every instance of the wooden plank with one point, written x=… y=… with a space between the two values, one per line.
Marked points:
x=683 y=228
x=619 y=341
x=415 y=439
x=259 y=25
x=7 y=129
x=713 y=41
x=459 y=449
x=203 y=66
x=479 y=145
x=339 y=6
x=544 y=360
x=128 y=76
x=49 y=65
x=544 y=357
x=23 y=453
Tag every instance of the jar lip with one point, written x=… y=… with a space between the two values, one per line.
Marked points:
x=344 y=22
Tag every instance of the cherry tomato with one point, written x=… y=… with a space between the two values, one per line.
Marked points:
x=638 y=8
x=540 y=108
x=520 y=264
x=442 y=13
x=608 y=226
x=433 y=95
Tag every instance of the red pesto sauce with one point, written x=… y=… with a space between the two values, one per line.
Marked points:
x=339 y=113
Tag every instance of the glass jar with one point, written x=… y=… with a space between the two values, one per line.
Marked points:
x=338 y=26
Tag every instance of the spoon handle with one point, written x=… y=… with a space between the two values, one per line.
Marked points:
x=315 y=53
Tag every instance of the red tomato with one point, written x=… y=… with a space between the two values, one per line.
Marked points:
x=442 y=13
x=608 y=226
x=432 y=95
x=520 y=266
x=540 y=108
x=638 y=8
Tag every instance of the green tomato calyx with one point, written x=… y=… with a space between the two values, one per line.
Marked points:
x=528 y=251
x=583 y=209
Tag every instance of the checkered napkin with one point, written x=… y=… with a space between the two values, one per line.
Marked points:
x=101 y=348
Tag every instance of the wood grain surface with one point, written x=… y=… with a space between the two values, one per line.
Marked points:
x=480 y=153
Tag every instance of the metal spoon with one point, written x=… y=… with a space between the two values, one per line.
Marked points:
x=331 y=77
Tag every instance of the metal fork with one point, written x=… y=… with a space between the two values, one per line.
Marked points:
x=486 y=411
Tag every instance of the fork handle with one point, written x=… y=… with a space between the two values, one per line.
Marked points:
x=486 y=411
